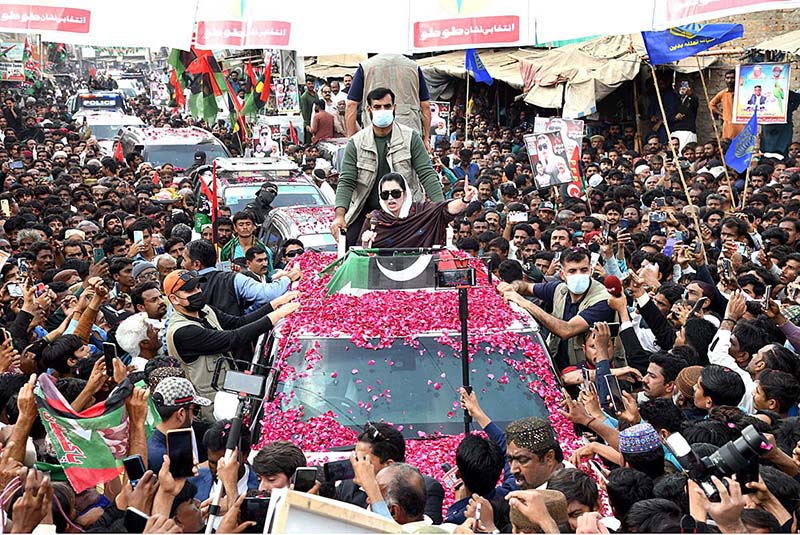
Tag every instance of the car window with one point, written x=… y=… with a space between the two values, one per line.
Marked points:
x=412 y=386
x=182 y=155
x=274 y=239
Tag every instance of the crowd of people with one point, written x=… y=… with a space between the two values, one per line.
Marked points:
x=668 y=293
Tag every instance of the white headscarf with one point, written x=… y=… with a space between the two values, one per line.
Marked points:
x=407 y=202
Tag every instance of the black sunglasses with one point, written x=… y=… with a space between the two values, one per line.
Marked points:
x=542 y=147
x=292 y=254
x=395 y=194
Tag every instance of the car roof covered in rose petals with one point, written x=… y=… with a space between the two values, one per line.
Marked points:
x=342 y=359
x=175 y=136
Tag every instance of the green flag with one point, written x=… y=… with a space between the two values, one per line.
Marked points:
x=90 y=444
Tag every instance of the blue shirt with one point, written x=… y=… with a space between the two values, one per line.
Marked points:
x=256 y=294
x=472 y=169
x=156 y=449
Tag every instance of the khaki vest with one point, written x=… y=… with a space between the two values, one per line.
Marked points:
x=596 y=293
x=398 y=155
x=401 y=75
x=201 y=371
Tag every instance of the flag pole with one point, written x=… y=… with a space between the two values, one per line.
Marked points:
x=716 y=131
x=675 y=156
x=466 y=110
x=746 y=182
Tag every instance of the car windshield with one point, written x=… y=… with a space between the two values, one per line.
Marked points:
x=319 y=242
x=106 y=131
x=237 y=197
x=182 y=155
x=412 y=386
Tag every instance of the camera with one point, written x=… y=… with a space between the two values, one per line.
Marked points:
x=739 y=457
x=455 y=278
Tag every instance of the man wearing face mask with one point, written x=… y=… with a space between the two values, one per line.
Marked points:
x=577 y=304
x=384 y=147
x=263 y=202
x=199 y=334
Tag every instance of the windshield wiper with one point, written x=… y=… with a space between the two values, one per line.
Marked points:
x=333 y=407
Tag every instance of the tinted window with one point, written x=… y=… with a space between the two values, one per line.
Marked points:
x=182 y=155
x=401 y=386
x=237 y=197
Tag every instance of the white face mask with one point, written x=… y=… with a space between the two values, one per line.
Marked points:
x=382 y=118
x=579 y=283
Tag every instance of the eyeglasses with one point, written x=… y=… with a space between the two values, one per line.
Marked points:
x=542 y=147
x=373 y=432
x=292 y=254
x=394 y=194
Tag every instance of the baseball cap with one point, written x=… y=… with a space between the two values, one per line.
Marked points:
x=546 y=205
x=176 y=391
x=181 y=279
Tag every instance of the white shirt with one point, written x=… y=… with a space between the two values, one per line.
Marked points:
x=718 y=354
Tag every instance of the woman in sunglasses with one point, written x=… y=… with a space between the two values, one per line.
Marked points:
x=403 y=223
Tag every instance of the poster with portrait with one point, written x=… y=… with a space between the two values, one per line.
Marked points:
x=440 y=121
x=287 y=95
x=273 y=57
x=267 y=140
x=764 y=86
x=572 y=136
x=548 y=158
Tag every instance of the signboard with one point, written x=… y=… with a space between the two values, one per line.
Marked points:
x=764 y=86
x=467 y=24
x=287 y=96
x=572 y=137
x=267 y=140
x=440 y=121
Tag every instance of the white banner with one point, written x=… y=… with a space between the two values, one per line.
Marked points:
x=145 y=23
x=575 y=19
x=671 y=13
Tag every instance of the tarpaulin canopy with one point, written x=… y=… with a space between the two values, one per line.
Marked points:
x=316 y=29
x=333 y=66
x=787 y=42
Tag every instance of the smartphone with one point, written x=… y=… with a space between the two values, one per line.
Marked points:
x=182 y=451
x=134 y=467
x=587 y=379
x=4 y=207
x=606 y=230
x=698 y=306
x=764 y=301
x=741 y=248
x=623 y=224
x=678 y=236
x=4 y=336
x=669 y=247
x=698 y=247
x=40 y=289
x=614 y=329
x=617 y=401
x=451 y=478
x=22 y=265
x=661 y=202
x=254 y=508
x=557 y=256
x=766 y=246
x=304 y=478
x=138 y=236
x=727 y=268
x=109 y=353
x=16 y=164
x=15 y=290
x=658 y=217
x=518 y=217
x=338 y=470
x=98 y=254
x=135 y=520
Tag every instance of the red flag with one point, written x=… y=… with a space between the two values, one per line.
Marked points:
x=180 y=100
x=118 y=154
x=251 y=73
x=206 y=63
x=92 y=72
x=267 y=80
x=293 y=134
x=155 y=178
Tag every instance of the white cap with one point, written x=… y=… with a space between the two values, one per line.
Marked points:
x=641 y=169
x=595 y=180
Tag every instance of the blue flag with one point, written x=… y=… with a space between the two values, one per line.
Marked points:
x=684 y=41
x=474 y=65
x=741 y=150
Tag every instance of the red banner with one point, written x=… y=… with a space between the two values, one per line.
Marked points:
x=45 y=18
x=466 y=31
x=256 y=33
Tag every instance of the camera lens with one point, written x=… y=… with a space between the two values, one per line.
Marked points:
x=737 y=456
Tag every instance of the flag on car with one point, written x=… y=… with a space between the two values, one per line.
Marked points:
x=474 y=65
x=258 y=97
x=90 y=444
x=684 y=41
x=360 y=271
x=741 y=149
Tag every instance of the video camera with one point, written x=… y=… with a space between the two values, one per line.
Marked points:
x=454 y=273
x=739 y=457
